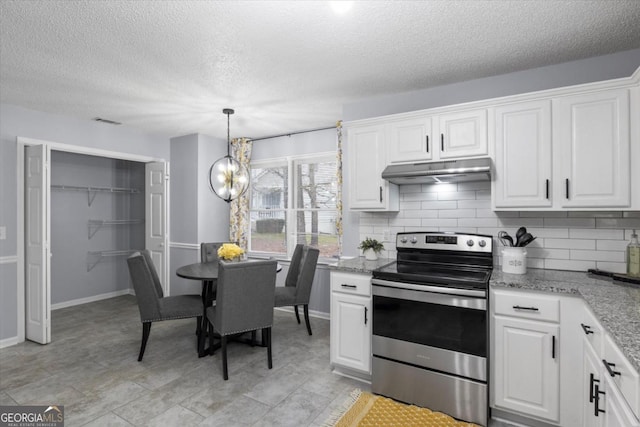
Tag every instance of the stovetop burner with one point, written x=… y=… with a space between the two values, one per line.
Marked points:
x=445 y=259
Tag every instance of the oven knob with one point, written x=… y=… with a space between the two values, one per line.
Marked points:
x=403 y=239
x=469 y=242
x=482 y=243
x=414 y=240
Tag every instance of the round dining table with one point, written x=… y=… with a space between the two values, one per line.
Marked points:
x=207 y=273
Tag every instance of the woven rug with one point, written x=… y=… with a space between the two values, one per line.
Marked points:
x=364 y=409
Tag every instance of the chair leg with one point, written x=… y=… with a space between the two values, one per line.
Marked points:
x=223 y=346
x=269 y=358
x=199 y=331
x=146 y=329
x=295 y=307
x=253 y=338
x=306 y=318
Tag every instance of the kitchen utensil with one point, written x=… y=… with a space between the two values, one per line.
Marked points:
x=521 y=232
x=505 y=239
x=526 y=239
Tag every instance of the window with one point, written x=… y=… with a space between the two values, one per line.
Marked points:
x=294 y=201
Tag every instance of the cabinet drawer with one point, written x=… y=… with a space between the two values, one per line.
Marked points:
x=526 y=306
x=624 y=374
x=357 y=284
x=592 y=330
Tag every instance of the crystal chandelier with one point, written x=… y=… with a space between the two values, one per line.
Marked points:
x=228 y=178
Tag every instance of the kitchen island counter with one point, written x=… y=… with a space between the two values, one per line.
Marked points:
x=615 y=304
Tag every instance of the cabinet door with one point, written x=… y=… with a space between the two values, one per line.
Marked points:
x=591 y=377
x=592 y=149
x=409 y=140
x=616 y=411
x=367 y=160
x=523 y=155
x=526 y=370
x=463 y=134
x=351 y=331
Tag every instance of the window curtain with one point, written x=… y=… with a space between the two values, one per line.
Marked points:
x=339 y=183
x=239 y=209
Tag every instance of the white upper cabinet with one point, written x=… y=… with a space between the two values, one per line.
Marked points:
x=410 y=140
x=592 y=150
x=462 y=134
x=522 y=174
x=367 y=160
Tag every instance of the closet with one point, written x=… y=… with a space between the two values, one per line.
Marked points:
x=97 y=220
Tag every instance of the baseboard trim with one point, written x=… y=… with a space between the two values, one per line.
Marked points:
x=312 y=313
x=8 y=342
x=94 y=298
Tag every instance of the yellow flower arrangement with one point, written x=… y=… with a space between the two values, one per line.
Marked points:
x=229 y=251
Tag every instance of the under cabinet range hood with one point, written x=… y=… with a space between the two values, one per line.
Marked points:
x=448 y=171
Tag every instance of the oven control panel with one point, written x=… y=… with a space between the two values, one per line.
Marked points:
x=445 y=241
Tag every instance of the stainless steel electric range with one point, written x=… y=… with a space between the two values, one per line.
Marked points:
x=430 y=324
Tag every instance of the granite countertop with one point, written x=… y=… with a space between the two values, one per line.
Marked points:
x=615 y=304
x=359 y=265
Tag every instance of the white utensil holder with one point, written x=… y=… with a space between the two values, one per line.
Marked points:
x=514 y=260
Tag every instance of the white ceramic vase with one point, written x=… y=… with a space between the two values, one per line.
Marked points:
x=370 y=255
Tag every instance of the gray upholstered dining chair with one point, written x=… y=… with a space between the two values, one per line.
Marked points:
x=152 y=303
x=244 y=303
x=297 y=288
x=209 y=253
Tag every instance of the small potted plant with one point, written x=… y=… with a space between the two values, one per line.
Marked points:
x=371 y=248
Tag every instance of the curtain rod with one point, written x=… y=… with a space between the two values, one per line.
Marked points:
x=292 y=133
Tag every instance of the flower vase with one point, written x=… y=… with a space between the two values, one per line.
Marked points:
x=370 y=255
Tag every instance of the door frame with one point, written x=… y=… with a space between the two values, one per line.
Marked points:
x=23 y=142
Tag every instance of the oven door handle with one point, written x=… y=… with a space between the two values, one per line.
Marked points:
x=380 y=288
x=430 y=288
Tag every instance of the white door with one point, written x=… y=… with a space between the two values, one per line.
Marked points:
x=591 y=149
x=37 y=266
x=156 y=209
x=526 y=367
x=351 y=331
x=523 y=155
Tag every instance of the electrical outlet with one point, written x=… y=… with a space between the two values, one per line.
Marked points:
x=3 y=232
x=385 y=235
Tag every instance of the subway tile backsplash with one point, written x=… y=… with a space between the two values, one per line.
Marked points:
x=573 y=240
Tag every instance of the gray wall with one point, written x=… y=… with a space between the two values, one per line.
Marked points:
x=70 y=213
x=197 y=215
x=606 y=67
x=17 y=121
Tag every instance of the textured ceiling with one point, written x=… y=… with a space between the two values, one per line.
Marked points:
x=170 y=67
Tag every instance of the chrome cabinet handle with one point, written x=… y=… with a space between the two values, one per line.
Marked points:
x=547 y=188
x=365 y=315
x=427 y=138
x=553 y=346
x=592 y=382
x=344 y=285
x=442 y=142
x=381 y=194
x=566 y=187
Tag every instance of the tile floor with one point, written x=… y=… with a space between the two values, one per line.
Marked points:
x=91 y=368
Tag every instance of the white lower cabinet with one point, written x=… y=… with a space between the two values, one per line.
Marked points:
x=526 y=369
x=533 y=375
x=351 y=324
x=609 y=382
